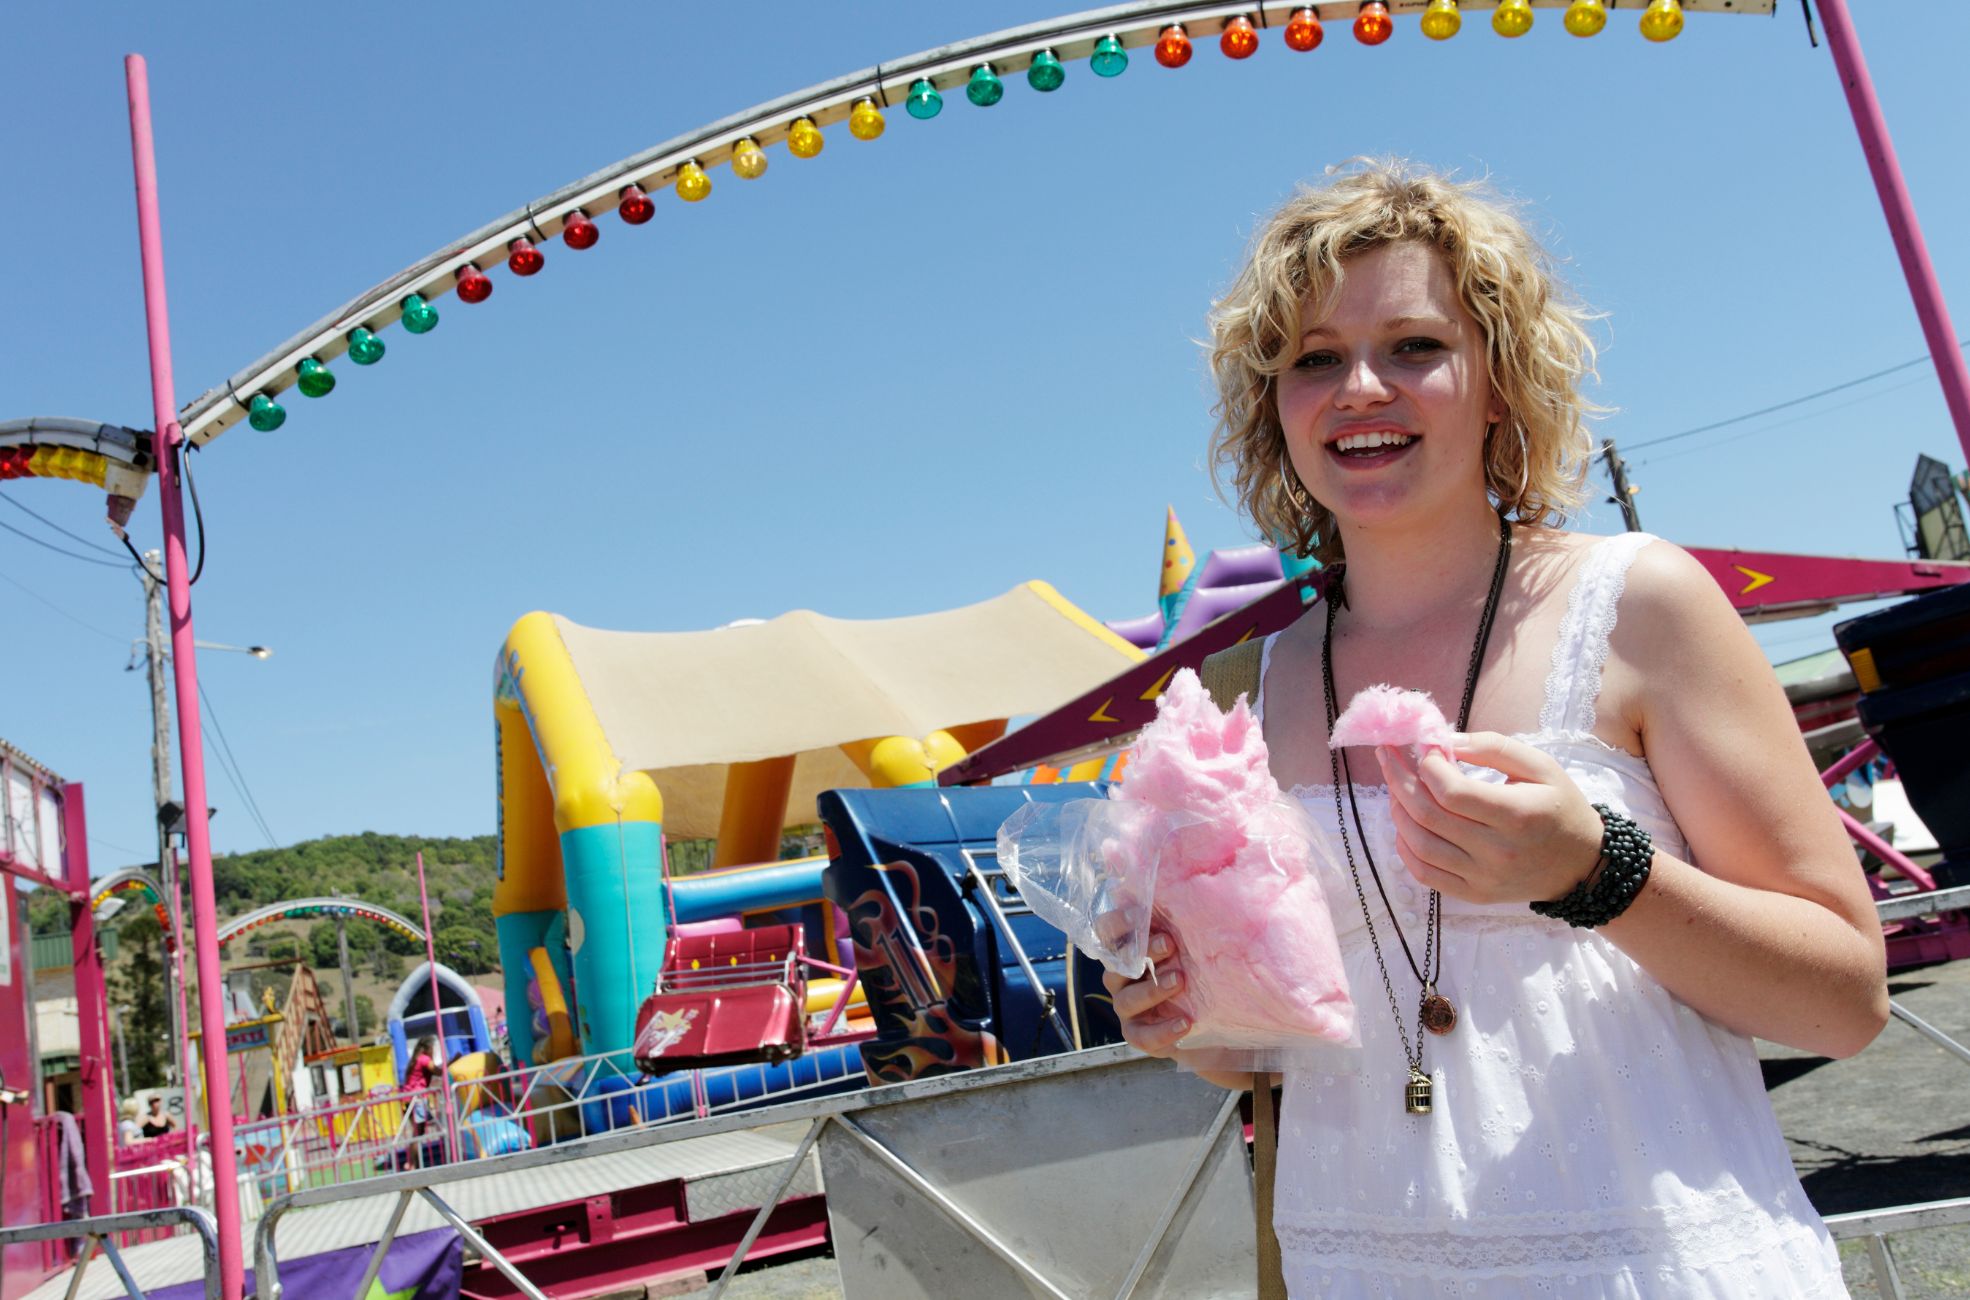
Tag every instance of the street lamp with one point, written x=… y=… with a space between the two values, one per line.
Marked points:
x=257 y=651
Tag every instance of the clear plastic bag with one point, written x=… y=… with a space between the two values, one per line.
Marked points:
x=1082 y=867
x=1264 y=989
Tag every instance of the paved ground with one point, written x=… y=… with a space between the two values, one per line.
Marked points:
x=1888 y=1127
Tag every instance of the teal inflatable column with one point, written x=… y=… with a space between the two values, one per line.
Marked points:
x=616 y=929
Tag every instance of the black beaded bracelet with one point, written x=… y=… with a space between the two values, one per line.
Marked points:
x=1618 y=875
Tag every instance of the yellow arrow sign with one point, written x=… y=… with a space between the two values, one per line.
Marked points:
x=1757 y=579
x=1156 y=689
x=1101 y=714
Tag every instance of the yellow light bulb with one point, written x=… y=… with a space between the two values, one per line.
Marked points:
x=1441 y=20
x=1663 y=21
x=865 y=120
x=748 y=160
x=804 y=139
x=692 y=183
x=1585 y=17
x=1512 y=17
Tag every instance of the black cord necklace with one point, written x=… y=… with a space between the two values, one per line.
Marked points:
x=1434 y=1012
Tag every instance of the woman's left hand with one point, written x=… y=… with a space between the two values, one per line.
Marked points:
x=1530 y=839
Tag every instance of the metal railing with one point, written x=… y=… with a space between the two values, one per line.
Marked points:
x=571 y=1100
x=101 y=1231
x=1875 y=1226
x=816 y=1112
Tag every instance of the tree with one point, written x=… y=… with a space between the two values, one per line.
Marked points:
x=323 y=953
x=140 y=989
x=47 y=911
x=466 y=950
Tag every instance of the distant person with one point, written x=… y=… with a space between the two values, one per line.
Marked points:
x=157 y=1123
x=417 y=1081
x=129 y=1128
x=71 y=1173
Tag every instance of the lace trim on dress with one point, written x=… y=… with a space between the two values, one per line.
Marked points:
x=1712 y=1230
x=1573 y=686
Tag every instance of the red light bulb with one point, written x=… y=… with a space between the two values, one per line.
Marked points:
x=1173 y=46
x=1303 y=31
x=522 y=258
x=578 y=232
x=636 y=206
x=1372 y=25
x=473 y=286
x=1240 y=40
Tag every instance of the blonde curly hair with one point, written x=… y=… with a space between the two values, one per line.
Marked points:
x=1537 y=347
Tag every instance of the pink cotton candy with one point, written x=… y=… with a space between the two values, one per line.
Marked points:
x=1389 y=715
x=1238 y=887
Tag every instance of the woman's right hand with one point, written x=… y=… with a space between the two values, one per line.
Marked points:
x=1149 y=1023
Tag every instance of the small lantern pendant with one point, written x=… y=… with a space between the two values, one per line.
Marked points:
x=1416 y=1100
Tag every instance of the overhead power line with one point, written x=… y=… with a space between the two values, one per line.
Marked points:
x=234 y=773
x=86 y=559
x=1767 y=410
x=74 y=537
x=35 y=595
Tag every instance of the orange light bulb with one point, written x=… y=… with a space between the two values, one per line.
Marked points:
x=1372 y=25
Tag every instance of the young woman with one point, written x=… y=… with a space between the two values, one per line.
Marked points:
x=1542 y=1107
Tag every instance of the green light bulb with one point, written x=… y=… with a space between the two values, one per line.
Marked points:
x=1046 y=73
x=924 y=102
x=1109 y=58
x=265 y=414
x=420 y=317
x=984 y=89
x=365 y=349
x=316 y=380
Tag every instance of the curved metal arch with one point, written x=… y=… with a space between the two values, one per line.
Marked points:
x=947 y=67
x=127 y=453
x=130 y=877
x=133 y=878
x=353 y=907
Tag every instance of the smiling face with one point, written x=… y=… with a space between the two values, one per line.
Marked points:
x=1386 y=402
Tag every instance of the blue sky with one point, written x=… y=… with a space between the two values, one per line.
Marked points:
x=902 y=376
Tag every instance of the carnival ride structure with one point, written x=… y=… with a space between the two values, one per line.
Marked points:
x=621 y=794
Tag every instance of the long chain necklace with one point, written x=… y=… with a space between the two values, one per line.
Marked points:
x=1434 y=1012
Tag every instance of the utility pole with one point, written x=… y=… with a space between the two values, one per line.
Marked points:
x=348 y=982
x=122 y=1048
x=1624 y=491
x=167 y=859
x=160 y=712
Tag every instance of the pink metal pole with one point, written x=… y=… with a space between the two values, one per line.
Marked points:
x=91 y=1001
x=1853 y=758
x=1880 y=150
x=1887 y=852
x=184 y=667
x=438 y=1016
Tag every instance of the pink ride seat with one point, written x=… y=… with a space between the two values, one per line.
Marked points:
x=725 y=998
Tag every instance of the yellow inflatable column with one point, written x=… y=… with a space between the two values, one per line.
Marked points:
x=754 y=810
x=610 y=826
x=528 y=894
x=902 y=762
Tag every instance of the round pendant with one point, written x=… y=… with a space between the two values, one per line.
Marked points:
x=1439 y=1017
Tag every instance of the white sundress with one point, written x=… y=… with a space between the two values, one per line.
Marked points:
x=1591 y=1134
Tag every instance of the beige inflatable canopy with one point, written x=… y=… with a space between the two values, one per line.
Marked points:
x=849 y=702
